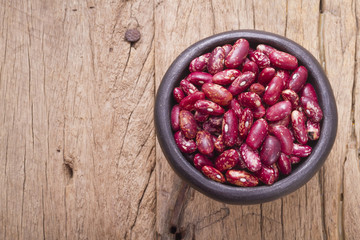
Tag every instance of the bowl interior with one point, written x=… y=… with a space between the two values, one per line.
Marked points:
x=232 y=194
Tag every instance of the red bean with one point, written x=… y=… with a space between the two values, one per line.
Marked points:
x=226 y=77
x=216 y=60
x=257 y=133
x=301 y=150
x=219 y=144
x=227 y=48
x=313 y=130
x=241 y=178
x=299 y=128
x=187 y=87
x=237 y=54
x=298 y=79
x=188 y=102
x=251 y=158
x=283 y=60
x=257 y=88
x=204 y=142
x=266 y=75
x=265 y=49
x=207 y=126
x=245 y=122
x=216 y=121
x=250 y=66
x=175 y=120
x=260 y=58
x=259 y=112
x=226 y=160
x=278 y=111
x=200 y=117
x=208 y=107
x=213 y=174
x=284 y=136
x=199 y=63
x=201 y=160
x=273 y=91
x=241 y=83
x=230 y=128
x=311 y=109
x=270 y=150
x=284 y=75
x=294 y=159
x=284 y=122
x=276 y=171
x=249 y=100
x=291 y=96
x=185 y=145
x=217 y=93
x=266 y=175
x=309 y=92
x=178 y=94
x=188 y=124
x=199 y=78
x=284 y=164
x=235 y=105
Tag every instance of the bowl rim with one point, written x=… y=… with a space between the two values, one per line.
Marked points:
x=233 y=194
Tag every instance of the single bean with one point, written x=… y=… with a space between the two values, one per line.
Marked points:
x=313 y=130
x=187 y=124
x=216 y=60
x=241 y=83
x=217 y=93
x=226 y=76
x=237 y=54
x=175 y=120
x=188 y=102
x=199 y=63
x=284 y=136
x=270 y=150
x=204 y=142
x=311 y=109
x=185 y=145
x=208 y=107
x=260 y=58
x=249 y=100
x=278 y=111
x=201 y=160
x=291 y=96
x=309 y=92
x=200 y=117
x=301 y=150
x=284 y=75
x=257 y=133
x=213 y=174
x=187 y=87
x=257 y=88
x=283 y=60
x=284 y=164
x=178 y=94
x=273 y=91
x=276 y=171
x=219 y=145
x=250 y=66
x=294 y=159
x=299 y=128
x=241 y=163
x=199 y=78
x=259 y=112
x=266 y=75
x=245 y=122
x=235 y=105
x=283 y=122
x=251 y=158
x=241 y=178
x=265 y=49
x=266 y=175
x=230 y=128
x=226 y=160
x=227 y=48
x=298 y=79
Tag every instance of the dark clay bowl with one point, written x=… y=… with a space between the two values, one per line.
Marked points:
x=233 y=194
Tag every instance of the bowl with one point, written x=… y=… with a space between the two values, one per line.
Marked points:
x=233 y=194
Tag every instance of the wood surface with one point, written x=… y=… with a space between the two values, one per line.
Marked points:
x=79 y=157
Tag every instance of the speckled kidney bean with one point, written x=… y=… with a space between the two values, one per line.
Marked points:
x=241 y=163
x=276 y=171
x=230 y=128
x=284 y=164
x=219 y=145
x=187 y=124
x=266 y=49
x=313 y=130
x=235 y=105
x=249 y=100
x=259 y=112
x=227 y=48
x=204 y=142
x=199 y=78
x=245 y=122
x=200 y=117
x=270 y=150
x=208 y=107
x=185 y=145
x=311 y=109
x=251 y=158
x=226 y=76
x=187 y=87
x=199 y=63
x=257 y=88
x=188 y=102
x=294 y=159
x=201 y=160
x=216 y=60
x=301 y=150
x=207 y=126
x=175 y=120
x=213 y=174
x=309 y=92
x=298 y=79
x=217 y=93
x=241 y=178
x=283 y=122
x=250 y=66
x=284 y=75
x=266 y=175
x=298 y=125
x=260 y=58
x=273 y=91
x=257 y=133
x=216 y=121
x=284 y=136
x=266 y=75
x=241 y=83
x=237 y=54
x=291 y=96
x=278 y=111
x=283 y=60
x=178 y=94
x=226 y=160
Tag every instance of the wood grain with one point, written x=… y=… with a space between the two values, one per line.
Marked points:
x=78 y=152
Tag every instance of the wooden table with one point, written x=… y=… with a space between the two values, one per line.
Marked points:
x=79 y=157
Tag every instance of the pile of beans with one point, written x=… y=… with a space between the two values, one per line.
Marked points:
x=244 y=116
